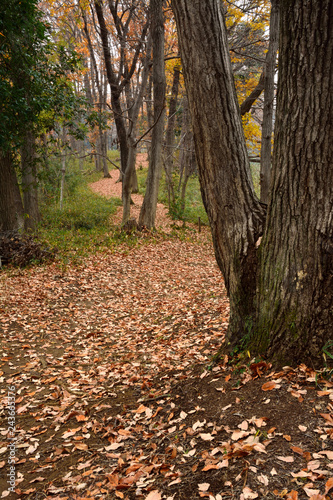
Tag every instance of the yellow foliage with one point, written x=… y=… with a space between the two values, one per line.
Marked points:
x=252 y=132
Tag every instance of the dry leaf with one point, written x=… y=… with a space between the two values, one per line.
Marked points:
x=154 y=495
x=328 y=485
x=293 y=495
x=206 y=437
x=286 y=459
x=248 y=493
x=203 y=486
x=268 y=386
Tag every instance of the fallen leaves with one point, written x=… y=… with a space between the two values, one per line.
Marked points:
x=104 y=360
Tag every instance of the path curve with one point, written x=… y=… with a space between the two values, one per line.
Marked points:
x=110 y=188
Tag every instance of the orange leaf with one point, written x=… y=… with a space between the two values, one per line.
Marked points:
x=268 y=386
x=297 y=450
x=329 y=485
x=293 y=495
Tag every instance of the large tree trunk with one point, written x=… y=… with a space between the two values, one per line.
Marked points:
x=267 y=122
x=235 y=214
x=148 y=209
x=30 y=182
x=11 y=206
x=296 y=283
x=294 y=271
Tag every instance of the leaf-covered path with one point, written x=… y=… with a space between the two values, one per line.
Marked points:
x=110 y=365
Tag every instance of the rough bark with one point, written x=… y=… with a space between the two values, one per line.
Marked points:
x=269 y=93
x=235 y=214
x=148 y=209
x=11 y=206
x=296 y=283
x=30 y=182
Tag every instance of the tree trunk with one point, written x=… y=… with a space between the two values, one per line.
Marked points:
x=294 y=267
x=11 y=206
x=30 y=182
x=130 y=173
x=148 y=209
x=150 y=114
x=296 y=283
x=269 y=92
x=235 y=214
x=170 y=131
x=187 y=156
x=115 y=90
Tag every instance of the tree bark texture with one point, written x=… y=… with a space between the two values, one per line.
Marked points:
x=269 y=93
x=148 y=209
x=296 y=283
x=11 y=206
x=235 y=214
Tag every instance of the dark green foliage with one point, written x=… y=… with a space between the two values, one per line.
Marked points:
x=34 y=87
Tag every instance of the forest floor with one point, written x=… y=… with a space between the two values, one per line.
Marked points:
x=117 y=396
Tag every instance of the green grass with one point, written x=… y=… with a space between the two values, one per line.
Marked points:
x=84 y=224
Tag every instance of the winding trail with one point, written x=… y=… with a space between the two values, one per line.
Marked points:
x=110 y=188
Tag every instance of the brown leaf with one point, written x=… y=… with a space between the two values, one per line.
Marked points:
x=154 y=495
x=268 y=386
x=328 y=485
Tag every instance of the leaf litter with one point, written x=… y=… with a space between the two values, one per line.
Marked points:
x=117 y=395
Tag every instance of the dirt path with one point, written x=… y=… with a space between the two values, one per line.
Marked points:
x=112 y=188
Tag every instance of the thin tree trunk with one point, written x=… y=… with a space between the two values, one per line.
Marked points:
x=63 y=169
x=30 y=182
x=187 y=157
x=269 y=92
x=11 y=206
x=134 y=114
x=170 y=131
x=247 y=104
x=150 y=113
x=148 y=209
x=115 y=90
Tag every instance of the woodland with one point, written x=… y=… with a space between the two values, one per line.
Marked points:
x=166 y=249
